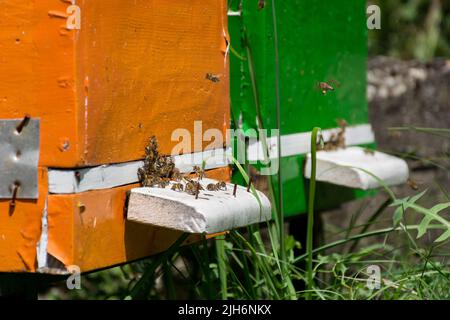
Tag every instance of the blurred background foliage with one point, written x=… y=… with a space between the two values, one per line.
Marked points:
x=412 y=29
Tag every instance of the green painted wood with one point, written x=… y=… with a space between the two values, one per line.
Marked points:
x=319 y=41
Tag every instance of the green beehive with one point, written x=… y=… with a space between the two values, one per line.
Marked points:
x=318 y=41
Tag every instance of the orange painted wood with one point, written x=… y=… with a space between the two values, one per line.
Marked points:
x=20 y=230
x=90 y=229
x=144 y=65
x=134 y=69
x=37 y=75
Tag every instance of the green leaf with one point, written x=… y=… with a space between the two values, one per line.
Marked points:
x=429 y=214
x=443 y=236
x=423 y=226
x=439 y=207
x=398 y=215
x=417 y=197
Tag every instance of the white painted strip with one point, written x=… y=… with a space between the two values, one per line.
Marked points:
x=300 y=143
x=234 y=13
x=63 y=181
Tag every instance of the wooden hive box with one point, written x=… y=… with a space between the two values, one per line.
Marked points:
x=101 y=77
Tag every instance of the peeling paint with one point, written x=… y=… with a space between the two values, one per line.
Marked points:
x=41 y=247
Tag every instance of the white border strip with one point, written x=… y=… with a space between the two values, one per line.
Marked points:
x=300 y=143
x=232 y=13
x=62 y=181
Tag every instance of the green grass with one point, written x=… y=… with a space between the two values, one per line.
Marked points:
x=246 y=263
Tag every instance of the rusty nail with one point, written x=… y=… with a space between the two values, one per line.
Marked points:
x=78 y=176
x=23 y=123
x=249 y=184
x=197 y=190
x=12 y=204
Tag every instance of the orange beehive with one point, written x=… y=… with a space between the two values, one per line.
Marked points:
x=101 y=77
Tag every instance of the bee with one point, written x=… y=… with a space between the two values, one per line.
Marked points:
x=369 y=151
x=163 y=183
x=342 y=124
x=217 y=186
x=177 y=187
x=165 y=166
x=157 y=182
x=212 y=77
x=328 y=86
x=412 y=184
x=199 y=172
x=147 y=181
x=261 y=4
x=192 y=187
x=341 y=134
x=141 y=174
x=151 y=150
x=337 y=140
x=176 y=175
x=394 y=134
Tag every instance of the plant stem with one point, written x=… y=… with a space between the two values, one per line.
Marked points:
x=142 y=288
x=222 y=266
x=312 y=191
x=278 y=107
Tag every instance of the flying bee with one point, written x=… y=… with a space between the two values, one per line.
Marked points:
x=328 y=86
x=412 y=184
x=394 y=134
x=261 y=4
x=212 y=77
x=177 y=187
